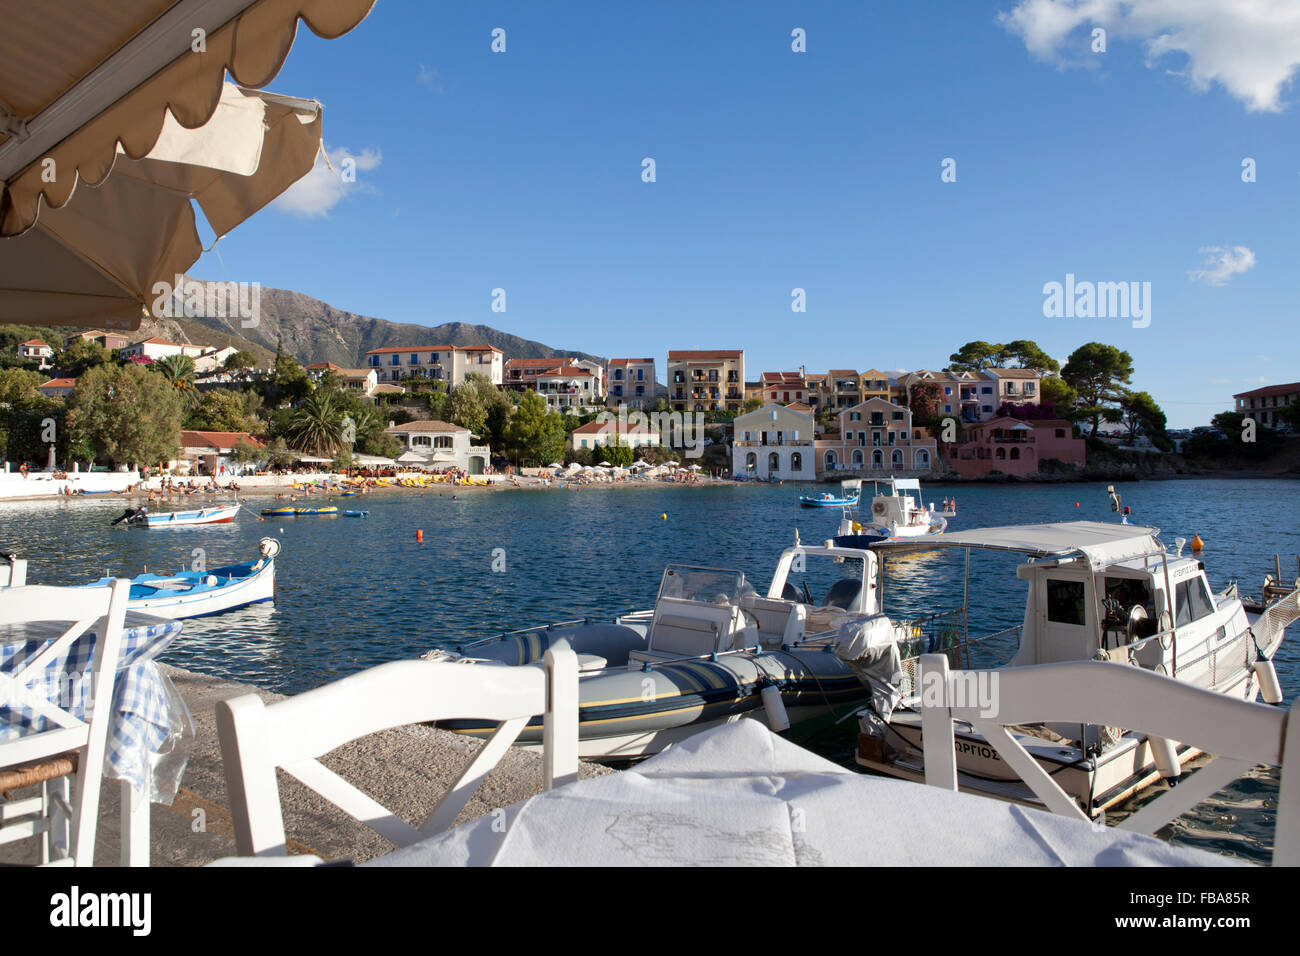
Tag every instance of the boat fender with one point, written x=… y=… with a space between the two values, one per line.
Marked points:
x=1269 y=688
x=1165 y=753
x=777 y=718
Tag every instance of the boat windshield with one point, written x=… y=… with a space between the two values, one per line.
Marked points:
x=706 y=585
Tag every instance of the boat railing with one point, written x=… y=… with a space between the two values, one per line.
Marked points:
x=709 y=656
x=946 y=633
x=528 y=630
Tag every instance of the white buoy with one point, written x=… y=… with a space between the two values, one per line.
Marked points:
x=777 y=718
x=1269 y=688
x=1165 y=753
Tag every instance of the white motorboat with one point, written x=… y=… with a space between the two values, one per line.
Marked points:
x=1095 y=592
x=896 y=514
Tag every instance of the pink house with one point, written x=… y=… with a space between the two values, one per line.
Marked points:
x=1014 y=447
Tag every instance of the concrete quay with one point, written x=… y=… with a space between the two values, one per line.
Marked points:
x=407 y=769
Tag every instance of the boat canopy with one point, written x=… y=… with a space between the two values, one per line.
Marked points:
x=905 y=484
x=1101 y=543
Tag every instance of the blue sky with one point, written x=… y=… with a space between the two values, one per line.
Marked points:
x=819 y=170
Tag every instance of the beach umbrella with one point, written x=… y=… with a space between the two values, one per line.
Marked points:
x=105 y=109
x=555 y=465
x=694 y=468
x=604 y=464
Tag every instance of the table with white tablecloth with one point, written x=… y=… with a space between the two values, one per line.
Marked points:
x=738 y=795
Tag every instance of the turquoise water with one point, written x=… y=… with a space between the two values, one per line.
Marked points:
x=354 y=592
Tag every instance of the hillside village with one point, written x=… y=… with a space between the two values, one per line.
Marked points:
x=991 y=411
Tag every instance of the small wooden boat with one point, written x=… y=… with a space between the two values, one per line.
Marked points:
x=827 y=501
x=218 y=514
x=189 y=594
x=309 y=512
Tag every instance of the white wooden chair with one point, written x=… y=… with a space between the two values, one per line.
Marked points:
x=1238 y=733
x=257 y=738
x=71 y=745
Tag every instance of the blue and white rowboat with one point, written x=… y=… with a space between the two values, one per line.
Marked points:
x=199 y=593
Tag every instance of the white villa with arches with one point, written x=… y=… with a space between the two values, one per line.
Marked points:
x=439 y=445
x=877 y=436
x=774 y=442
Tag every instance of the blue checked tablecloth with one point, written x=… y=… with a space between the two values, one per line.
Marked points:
x=147 y=711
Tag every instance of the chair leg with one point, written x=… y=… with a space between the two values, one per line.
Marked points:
x=85 y=806
x=135 y=825
x=56 y=845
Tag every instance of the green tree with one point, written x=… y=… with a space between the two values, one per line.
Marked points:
x=1143 y=416
x=534 y=435
x=238 y=362
x=288 y=383
x=221 y=410
x=1061 y=395
x=126 y=414
x=465 y=408
x=316 y=426
x=975 y=356
x=80 y=355
x=1099 y=373
x=752 y=405
x=18 y=387
x=178 y=370
x=1022 y=353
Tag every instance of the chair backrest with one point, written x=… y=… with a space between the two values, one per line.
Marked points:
x=1238 y=733
x=27 y=688
x=690 y=628
x=256 y=738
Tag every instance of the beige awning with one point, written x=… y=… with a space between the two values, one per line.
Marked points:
x=86 y=86
x=98 y=257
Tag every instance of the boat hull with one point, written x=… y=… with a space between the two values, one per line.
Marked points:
x=1119 y=771
x=208 y=592
x=633 y=710
x=177 y=519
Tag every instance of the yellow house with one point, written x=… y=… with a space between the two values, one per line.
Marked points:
x=774 y=442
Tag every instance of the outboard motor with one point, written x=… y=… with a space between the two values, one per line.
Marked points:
x=130 y=515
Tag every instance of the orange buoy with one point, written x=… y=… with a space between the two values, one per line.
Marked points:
x=1197 y=543
x=1076 y=504
x=419 y=534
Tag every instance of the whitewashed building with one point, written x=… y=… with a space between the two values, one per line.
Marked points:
x=39 y=350
x=439 y=363
x=439 y=445
x=608 y=433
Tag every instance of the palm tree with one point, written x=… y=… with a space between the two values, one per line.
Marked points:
x=316 y=425
x=178 y=370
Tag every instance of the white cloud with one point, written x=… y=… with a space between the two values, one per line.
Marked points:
x=1222 y=263
x=324 y=188
x=1249 y=47
x=429 y=78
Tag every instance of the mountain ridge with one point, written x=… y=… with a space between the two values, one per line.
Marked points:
x=314 y=331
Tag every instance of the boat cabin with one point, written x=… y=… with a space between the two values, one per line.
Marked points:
x=1099 y=590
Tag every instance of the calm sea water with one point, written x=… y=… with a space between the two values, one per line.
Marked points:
x=351 y=593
